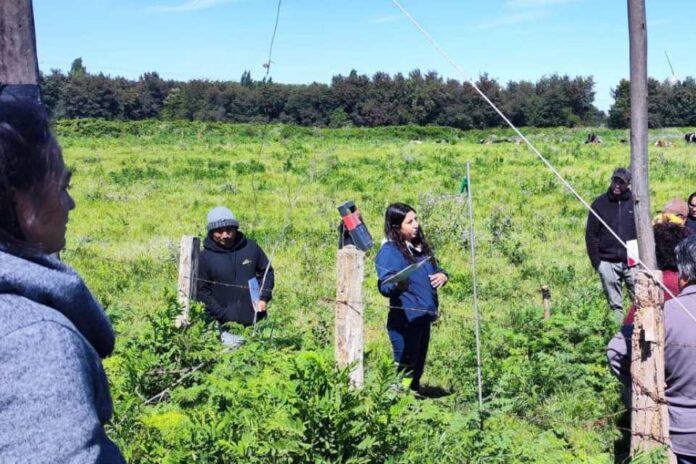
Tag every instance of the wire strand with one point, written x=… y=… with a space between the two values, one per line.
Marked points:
x=270 y=48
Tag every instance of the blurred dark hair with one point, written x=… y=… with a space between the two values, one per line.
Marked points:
x=27 y=162
x=686 y=259
x=393 y=218
x=667 y=236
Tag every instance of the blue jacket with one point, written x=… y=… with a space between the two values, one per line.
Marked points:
x=420 y=295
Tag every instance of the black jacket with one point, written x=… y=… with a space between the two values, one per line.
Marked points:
x=691 y=223
x=224 y=274
x=618 y=214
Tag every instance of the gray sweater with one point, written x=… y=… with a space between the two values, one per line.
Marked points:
x=680 y=368
x=54 y=395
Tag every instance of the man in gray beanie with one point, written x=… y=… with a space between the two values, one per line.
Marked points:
x=607 y=255
x=232 y=268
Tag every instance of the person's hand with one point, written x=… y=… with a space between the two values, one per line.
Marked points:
x=403 y=285
x=438 y=280
x=261 y=306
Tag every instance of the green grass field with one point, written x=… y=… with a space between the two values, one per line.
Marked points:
x=547 y=392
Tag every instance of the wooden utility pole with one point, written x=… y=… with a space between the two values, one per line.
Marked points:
x=649 y=415
x=639 y=131
x=349 y=312
x=19 y=67
x=188 y=277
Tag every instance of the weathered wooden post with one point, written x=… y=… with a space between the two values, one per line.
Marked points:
x=188 y=277
x=546 y=298
x=349 y=312
x=649 y=415
x=19 y=68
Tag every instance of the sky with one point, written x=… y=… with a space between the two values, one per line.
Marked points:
x=510 y=40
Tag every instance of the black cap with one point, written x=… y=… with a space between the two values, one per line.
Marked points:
x=623 y=174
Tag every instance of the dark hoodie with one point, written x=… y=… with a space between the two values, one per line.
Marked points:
x=617 y=212
x=224 y=275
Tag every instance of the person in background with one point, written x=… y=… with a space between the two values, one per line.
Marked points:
x=691 y=218
x=680 y=340
x=413 y=303
x=667 y=237
x=675 y=211
x=607 y=255
x=226 y=266
x=54 y=394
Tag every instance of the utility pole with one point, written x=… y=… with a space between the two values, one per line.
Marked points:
x=638 y=35
x=649 y=414
x=19 y=67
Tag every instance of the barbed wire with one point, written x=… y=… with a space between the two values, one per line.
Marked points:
x=658 y=344
x=372 y=303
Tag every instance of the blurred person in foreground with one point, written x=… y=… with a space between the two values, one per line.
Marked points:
x=54 y=394
x=680 y=338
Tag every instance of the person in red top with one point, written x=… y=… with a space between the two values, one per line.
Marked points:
x=667 y=237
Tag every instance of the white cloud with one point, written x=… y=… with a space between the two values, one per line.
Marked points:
x=509 y=20
x=534 y=3
x=191 y=5
x=386 y=19
x=526 y=11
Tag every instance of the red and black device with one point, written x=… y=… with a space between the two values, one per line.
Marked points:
x=352 y=230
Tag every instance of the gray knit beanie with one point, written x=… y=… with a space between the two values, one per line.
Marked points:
x=221 y=217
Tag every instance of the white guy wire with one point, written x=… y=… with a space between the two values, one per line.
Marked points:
x=473 y=279
x=536 y=152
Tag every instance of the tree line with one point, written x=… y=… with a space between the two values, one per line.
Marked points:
x=358 y=100
x=670 y=104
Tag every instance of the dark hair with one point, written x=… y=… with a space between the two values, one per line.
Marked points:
x=686 y=259
x=393 y=218
x=688 y=202
x=667 y=237
x=26 y=161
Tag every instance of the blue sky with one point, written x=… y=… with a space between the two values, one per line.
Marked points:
x=219 y=39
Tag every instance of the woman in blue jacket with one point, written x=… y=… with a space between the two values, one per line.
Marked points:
x=413 y=302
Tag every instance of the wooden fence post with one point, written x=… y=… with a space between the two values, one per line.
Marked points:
x=649 y=415
x=546 y=297
x=188 y=276
x=349 y=312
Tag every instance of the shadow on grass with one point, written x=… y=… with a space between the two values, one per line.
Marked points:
x=433 y=392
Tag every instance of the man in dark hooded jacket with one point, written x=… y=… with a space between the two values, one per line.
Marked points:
x=229 y=267
x=607 y=255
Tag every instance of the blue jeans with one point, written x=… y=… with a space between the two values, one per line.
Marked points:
x=410 y=348
x=230 y=340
